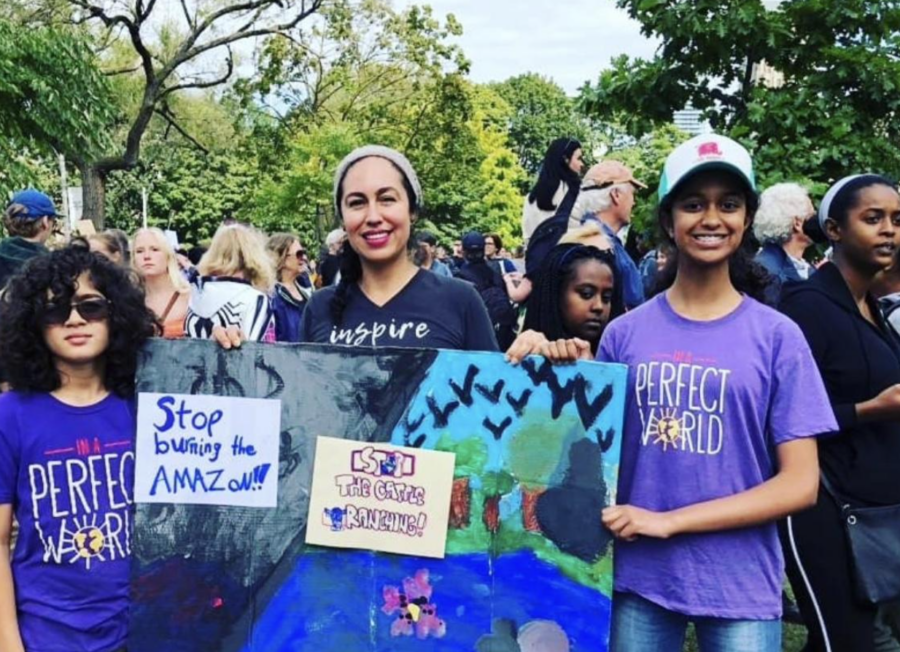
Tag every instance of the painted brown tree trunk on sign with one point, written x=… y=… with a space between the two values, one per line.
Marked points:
x=529 y=509
x=460 y=504
x=491 y=515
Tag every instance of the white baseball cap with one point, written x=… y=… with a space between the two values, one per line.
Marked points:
x=705 y=152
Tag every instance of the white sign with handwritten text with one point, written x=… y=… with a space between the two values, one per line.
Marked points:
x=380 y=497
x=207 y=450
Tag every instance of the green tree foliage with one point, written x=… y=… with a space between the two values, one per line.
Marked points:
x=189 y=191
x=167 y=53
x=365 y=73
x=541 y=113
x=836 y=112
x=498 y=209
x=299 y=199
x=358 y=61
x=53 y=99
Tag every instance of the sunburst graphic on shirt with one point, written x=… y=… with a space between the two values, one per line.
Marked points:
x=86 y=541
x=665 y=429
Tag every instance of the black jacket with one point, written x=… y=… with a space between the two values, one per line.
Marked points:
x=857 y=360
x=14 y=253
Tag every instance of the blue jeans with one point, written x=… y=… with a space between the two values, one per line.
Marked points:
x=639 y=625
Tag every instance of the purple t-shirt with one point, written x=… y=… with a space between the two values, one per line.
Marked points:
x=707 y=403
x=68 y=472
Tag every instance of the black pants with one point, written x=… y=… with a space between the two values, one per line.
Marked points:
x=819 y=568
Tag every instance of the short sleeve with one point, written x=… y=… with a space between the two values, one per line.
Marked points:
x=798 y=405
x=479 y=332
x=607 y=351
x=9 y=457
x=316 y=318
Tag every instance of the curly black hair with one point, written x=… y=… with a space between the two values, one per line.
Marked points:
x=24 y=356
x=747 y=276
x=544 y=308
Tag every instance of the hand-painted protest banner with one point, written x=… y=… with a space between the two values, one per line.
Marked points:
x=382 y=497
x=207 y=450
x=527 y=565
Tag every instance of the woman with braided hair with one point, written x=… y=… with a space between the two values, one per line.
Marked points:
x=383 y=299
x=573 y=299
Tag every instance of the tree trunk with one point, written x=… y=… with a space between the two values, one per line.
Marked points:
x=93 y=187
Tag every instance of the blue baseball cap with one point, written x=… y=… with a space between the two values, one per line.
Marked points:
x=473 y=240
x=36 y=204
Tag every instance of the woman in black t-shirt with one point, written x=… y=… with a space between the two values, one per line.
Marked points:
x=383 y=299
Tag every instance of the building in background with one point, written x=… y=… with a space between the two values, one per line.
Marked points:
x=691 y=121
x=765 y=75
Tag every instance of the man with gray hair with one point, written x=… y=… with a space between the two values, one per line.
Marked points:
x=783 y=208
x=607 y=197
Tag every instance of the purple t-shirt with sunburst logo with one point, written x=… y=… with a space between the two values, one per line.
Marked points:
x=68 y=472
x=708 y=403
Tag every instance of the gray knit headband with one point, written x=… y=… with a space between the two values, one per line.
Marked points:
x=825 y=206
x=380 y=151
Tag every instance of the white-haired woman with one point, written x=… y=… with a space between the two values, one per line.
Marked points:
x=330 y=265
x=783 y=208
x=167 y=293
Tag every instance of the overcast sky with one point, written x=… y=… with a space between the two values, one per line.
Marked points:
x=568 y=40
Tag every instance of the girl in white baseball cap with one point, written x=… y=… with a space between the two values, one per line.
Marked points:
x=724 y=404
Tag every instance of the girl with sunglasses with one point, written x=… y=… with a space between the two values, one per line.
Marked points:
x=292 y=287
x=72 y=326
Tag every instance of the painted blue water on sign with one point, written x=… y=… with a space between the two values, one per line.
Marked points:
x=325 y=604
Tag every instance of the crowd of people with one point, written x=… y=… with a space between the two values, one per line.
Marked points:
x=763 y=387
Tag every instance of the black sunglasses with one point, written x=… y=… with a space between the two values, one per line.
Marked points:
x=301 y=254
x=90 y=310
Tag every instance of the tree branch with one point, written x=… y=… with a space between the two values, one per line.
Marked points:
x=192 y=22
x=121 y=71
x=134 y=32
x=142 y=17
x=165 y=113
x=184 y=51
x=190 y=51
x=203 y=84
